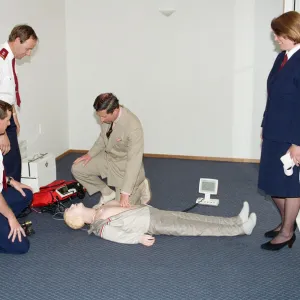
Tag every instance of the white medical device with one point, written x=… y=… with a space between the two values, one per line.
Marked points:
x=208 y=187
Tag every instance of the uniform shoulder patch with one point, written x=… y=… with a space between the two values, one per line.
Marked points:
x=3 y=53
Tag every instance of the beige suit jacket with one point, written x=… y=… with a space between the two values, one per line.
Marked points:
x=122 y=152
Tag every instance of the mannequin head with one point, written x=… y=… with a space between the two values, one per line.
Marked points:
x=73 y=216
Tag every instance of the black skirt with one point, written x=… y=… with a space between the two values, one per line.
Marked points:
x=272 y=179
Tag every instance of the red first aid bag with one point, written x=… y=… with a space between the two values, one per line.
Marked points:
x=56 y=191
x=46 y=195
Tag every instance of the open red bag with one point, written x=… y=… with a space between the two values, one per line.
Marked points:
x=58 y=190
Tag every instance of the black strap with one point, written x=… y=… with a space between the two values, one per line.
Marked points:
x=24 y=213
x=188 y=209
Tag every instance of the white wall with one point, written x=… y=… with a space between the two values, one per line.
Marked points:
x=254 y=56
x=43 y=77
x=265 y=52
x=196 y=79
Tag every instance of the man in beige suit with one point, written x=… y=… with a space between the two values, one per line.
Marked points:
x=138 y=224
x=116 y=155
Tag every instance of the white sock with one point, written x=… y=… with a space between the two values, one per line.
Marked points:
x=244 y=214
x=250 y=224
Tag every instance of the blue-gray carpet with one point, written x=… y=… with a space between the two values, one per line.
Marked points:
x=67 y=264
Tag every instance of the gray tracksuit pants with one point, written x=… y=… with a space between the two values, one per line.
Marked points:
x=190 y=224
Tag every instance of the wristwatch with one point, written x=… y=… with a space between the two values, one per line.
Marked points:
x=9 y=180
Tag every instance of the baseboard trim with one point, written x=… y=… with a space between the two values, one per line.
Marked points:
x=208 y=158
x=70 y=151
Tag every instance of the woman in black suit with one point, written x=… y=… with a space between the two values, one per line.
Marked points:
x=281 y=130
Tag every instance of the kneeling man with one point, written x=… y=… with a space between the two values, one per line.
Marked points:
x=116 y=155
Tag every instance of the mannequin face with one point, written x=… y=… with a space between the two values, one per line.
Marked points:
x=74 y=216
x=75 y=210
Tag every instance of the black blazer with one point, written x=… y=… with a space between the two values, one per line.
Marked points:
x=281 y=121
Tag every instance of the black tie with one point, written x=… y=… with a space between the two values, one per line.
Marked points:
x=108 y=133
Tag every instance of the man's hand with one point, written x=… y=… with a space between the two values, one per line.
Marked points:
x=15 y=229
x=124 y=200
x=84 y=158
x=19 y=186
x=4 y=144
x=295 y=154
x=147 y=240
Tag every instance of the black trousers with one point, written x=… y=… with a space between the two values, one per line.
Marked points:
x=17 y=203
x=12 y=160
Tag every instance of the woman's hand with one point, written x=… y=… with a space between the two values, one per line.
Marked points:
x=295 y=154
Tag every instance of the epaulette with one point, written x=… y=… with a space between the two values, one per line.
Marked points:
x=3 y=53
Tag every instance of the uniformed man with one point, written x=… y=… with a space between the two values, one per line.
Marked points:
x=21 y=42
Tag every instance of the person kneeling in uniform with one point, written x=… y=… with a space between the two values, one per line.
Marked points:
x=14 y=198
x=137 y=224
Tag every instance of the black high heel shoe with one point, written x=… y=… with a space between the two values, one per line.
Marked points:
x=275 y=247
x=272 y=233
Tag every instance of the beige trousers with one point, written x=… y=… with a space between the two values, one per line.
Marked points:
x=190 y=224
x=89 y=177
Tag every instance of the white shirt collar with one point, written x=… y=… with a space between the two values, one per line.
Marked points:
x=292 y=51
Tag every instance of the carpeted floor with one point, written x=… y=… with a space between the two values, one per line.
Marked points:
x=67 y=264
